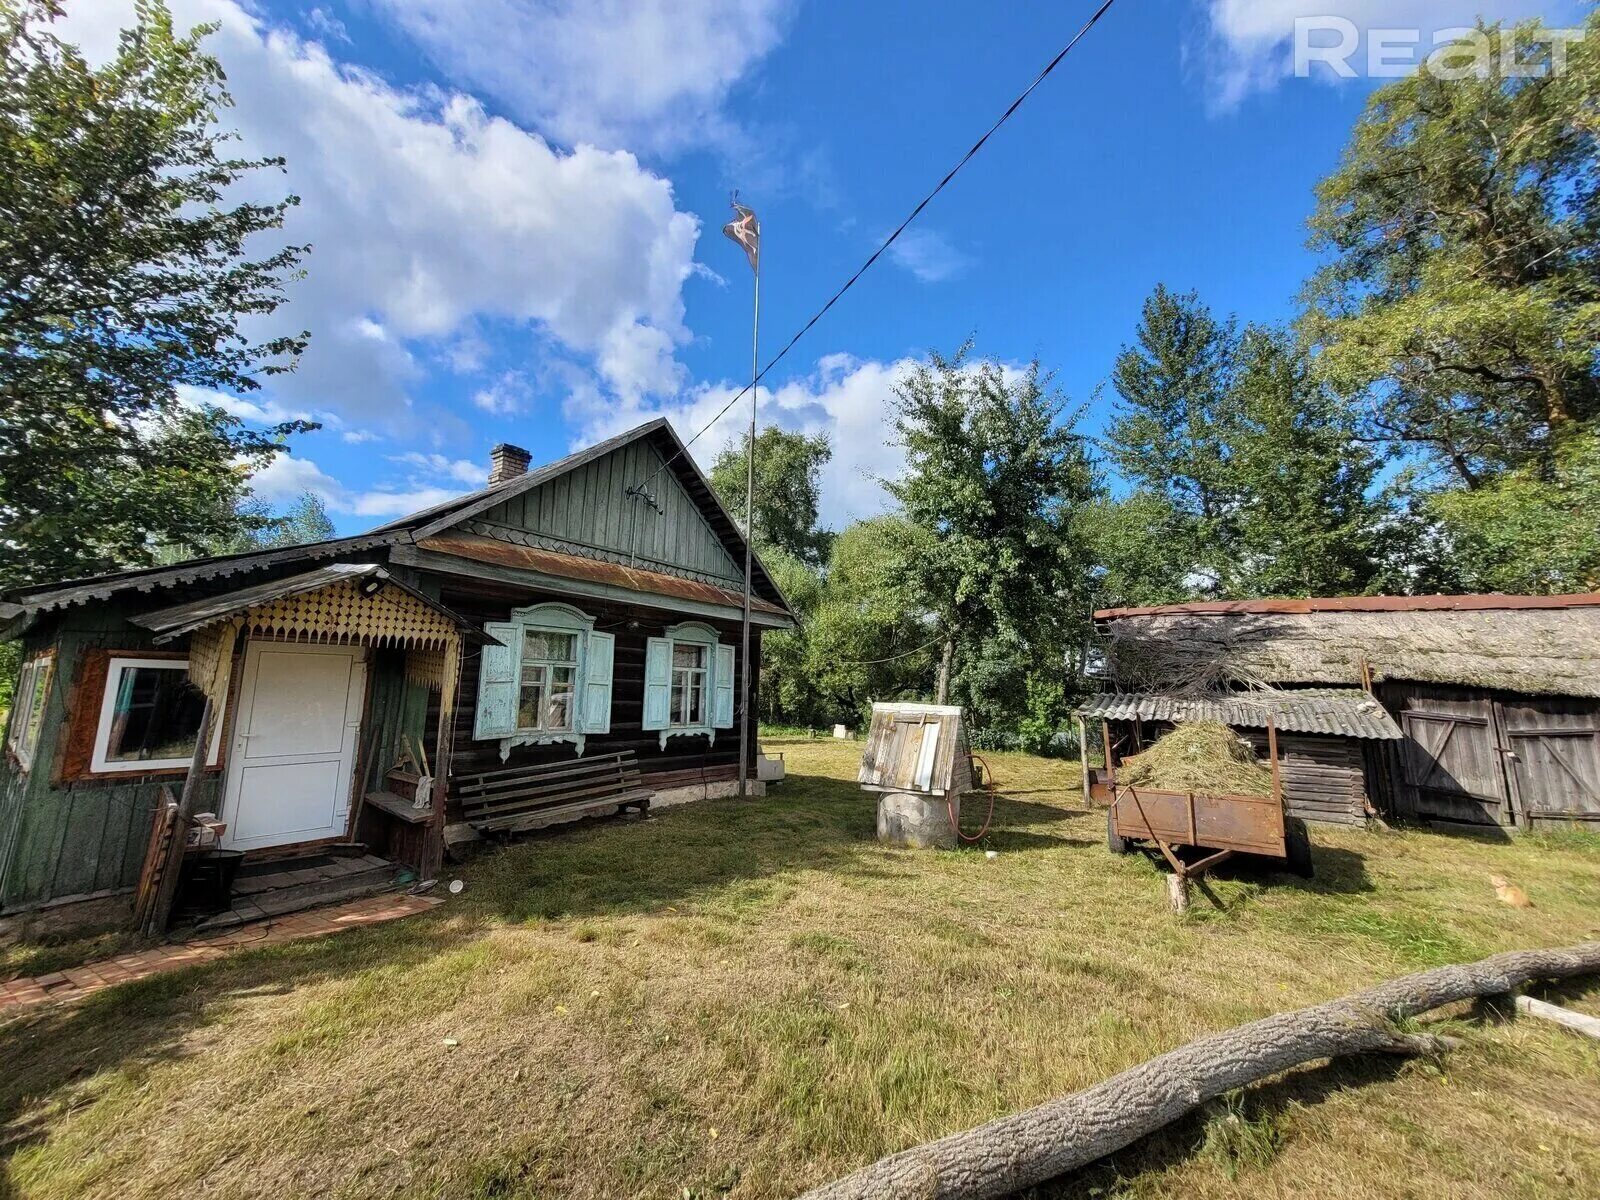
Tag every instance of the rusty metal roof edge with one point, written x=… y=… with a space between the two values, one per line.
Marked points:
x=1333 y=604
x=481 y=549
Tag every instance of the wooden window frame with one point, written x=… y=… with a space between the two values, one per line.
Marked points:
x=682 y=683
x=547 y=666
x=561 y=620
x=719 y=657
x=99 y=764
x=34 y=695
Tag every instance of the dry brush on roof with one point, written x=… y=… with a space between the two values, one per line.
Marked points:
x=1554 y=651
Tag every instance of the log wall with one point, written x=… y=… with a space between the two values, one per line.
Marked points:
x=684 y=761
x=1324 y=778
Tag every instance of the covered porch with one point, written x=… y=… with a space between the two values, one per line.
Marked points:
x=315 y=689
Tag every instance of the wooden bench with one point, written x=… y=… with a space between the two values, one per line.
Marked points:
x=521 y=798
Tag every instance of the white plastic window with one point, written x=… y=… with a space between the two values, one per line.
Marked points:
x=149 y=716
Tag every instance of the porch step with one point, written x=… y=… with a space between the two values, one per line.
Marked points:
x=276 y=889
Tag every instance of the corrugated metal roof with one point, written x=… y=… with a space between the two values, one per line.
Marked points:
x=1340 y=712
x=1478 y=603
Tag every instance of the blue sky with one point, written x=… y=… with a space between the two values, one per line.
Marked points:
x=516 y=205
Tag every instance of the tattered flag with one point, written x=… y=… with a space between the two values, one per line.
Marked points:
x=746 y=230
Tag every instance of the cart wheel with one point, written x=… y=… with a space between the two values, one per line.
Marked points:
x=1297 y=847
x=1115 y=842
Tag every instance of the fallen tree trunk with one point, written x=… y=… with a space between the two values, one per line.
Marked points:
x=1031 y=1147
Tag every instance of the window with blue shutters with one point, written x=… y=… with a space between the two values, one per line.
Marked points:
x=545 y=678
x=688 y=683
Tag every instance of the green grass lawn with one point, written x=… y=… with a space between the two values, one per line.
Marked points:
x=745 y=999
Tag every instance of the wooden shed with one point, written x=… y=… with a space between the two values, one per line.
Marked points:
x=1497 y=698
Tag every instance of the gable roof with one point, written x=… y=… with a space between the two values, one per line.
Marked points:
x=436 y=520
x=169 y=623
x=424 y=523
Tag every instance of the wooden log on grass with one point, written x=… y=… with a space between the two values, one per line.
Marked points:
x=1043 y=1143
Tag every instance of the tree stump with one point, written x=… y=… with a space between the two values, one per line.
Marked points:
x=1178 y=892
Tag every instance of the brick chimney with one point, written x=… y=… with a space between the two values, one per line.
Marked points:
x=506 y=462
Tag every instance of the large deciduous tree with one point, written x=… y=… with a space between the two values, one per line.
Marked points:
x=787 y=490
x=996 y=477
x=127 y=270
x=1461 y=296
x=869 y=636
x=1532 y=529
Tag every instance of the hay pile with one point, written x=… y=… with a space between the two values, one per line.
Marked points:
x=1199 y=756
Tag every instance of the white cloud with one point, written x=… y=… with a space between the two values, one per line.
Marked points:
x=268 y=412
x=846 y=398
x=426 y=214
x=463 y=470
x=288 y=477
x=504 y=395
x=326 y=26
x=928 y=255
x=1250 y=42
x=645 y=74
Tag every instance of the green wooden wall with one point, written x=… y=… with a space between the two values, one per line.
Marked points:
x=86 y=837
x=589 y=507
x=395 y=707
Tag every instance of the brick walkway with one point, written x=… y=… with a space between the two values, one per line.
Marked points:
x=77 y=982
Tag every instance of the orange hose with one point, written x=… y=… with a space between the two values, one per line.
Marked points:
x=950 y=804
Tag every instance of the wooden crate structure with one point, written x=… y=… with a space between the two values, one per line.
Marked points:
x=919 y=749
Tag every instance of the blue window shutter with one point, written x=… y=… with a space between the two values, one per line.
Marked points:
x=657 y=683
x=597 y=683
x=724 y=683
x=497 y=682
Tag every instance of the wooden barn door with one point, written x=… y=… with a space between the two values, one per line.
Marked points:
x=1450 y=760
x=1554 y=758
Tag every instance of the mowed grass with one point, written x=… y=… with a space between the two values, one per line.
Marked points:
x=745 y=999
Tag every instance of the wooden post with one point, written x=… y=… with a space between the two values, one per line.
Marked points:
x=1111 y=758
x=1083 y=756
x=433 y=851
x=1272 y=752
x=1178 y=892
x=167 y=893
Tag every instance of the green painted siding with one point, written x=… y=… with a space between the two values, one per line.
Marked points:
x=88 y=836
x=589 y=508
x=396 y=707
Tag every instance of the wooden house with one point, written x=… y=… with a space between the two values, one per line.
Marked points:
x=1494 y=701
x=557 y=645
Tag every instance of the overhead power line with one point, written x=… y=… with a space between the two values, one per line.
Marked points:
x=901 y=228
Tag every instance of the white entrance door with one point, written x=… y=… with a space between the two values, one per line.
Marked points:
x=294 y=745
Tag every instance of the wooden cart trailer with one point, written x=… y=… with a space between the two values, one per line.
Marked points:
x=1224 y=825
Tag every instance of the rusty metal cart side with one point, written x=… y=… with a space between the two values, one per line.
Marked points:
x=1225 y=825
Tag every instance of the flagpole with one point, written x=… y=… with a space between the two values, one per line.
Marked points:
x=749 y=538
